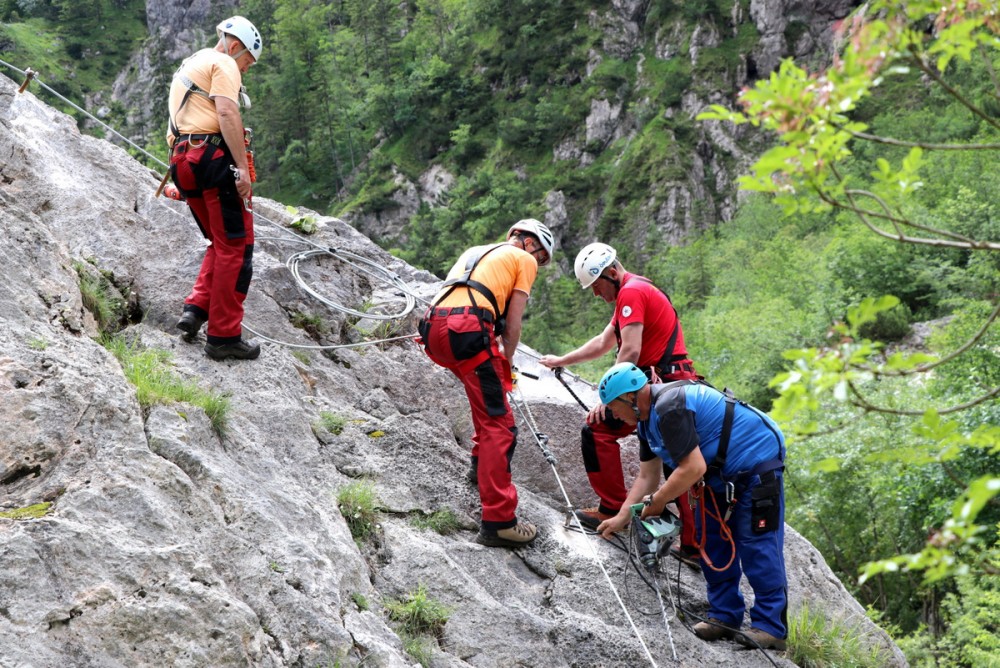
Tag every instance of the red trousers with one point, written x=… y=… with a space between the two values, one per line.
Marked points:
x=461 y=343
x=203 y=176
x=602 y=459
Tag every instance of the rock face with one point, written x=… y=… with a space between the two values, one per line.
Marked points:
x=166 y=544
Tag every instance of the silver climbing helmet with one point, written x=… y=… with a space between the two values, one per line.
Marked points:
x=537 y=230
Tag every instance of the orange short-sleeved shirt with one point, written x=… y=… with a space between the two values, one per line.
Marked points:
x=503 y=270
x=214 y=72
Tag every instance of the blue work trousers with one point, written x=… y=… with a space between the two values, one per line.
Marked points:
x=759 y=555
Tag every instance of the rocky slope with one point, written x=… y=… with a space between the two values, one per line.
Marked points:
x=168 y=545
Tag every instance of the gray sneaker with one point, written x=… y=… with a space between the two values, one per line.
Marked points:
x=241 y=350
x=518 y=535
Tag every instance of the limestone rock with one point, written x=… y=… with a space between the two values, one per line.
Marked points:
x=171 y=541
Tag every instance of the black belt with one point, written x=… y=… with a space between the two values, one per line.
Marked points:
x=674 y=368
x=215 y=139
x=461 y=310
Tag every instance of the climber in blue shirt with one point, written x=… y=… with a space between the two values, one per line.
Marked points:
x=704 y=434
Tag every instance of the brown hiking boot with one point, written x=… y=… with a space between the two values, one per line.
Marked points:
x=591 y=517
x=518 y=535
x=754 y=638
x=712 y=629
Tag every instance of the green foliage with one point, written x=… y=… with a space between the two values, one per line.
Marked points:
x=77 y=47
x=155 y=381
x=306 y=224
x=361 y=601
x=100 y=297
x=330 y=422
x=358 y=504
x=418 y=614
x=444 y=522
x=28 y=512
x=816 y=641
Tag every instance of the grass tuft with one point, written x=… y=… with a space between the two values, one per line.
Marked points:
x=815 y=641
x=155 y=381
x=330 y=422
x=358 y=504
x=418 y=614
x=444 y=522
x=32 y=512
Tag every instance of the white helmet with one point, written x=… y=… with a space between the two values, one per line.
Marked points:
x=536 y=229
x=591 y=261
x=243 y=30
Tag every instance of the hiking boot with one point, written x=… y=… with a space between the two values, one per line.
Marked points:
x=686 y=555
x=518 y=535
x=241 y=350
x=590 y=518
x=712 y=629
x=190 y=324
x=754 y=638
x=472 y=476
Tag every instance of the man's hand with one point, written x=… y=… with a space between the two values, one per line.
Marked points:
x=596 y=414
x=243 y=183
x=615 y=524
x=551 y=361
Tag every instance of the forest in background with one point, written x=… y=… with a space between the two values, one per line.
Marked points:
x=348 y=92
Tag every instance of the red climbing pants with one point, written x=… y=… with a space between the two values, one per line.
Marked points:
x=202 y=174
x=458 y=340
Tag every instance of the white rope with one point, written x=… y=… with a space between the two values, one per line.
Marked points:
x=522 y=407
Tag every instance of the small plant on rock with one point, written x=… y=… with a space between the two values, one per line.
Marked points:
x=418 y=614
x=444 y=522
x=358 y=504
x=815 y=641
x=331 y=422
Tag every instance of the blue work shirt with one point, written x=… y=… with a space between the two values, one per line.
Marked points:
x=685 y=415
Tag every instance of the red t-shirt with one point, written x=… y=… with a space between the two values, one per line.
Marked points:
x=641 y=301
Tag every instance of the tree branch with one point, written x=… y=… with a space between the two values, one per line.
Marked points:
x=934 y=74
x=922 y=368
x=861 y=402
x=916 y=144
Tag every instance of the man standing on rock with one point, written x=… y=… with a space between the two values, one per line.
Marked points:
x=210 y=168
x=648 y=333
x=700 y=434
x=472 y=329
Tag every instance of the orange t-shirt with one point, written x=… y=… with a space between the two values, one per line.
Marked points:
x=213 y=72
x=503 y=270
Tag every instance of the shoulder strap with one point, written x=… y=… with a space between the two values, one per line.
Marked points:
x=466 y=280
x=192 y=87
x=715 y=468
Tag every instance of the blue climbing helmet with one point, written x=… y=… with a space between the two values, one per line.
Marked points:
x=619 y=379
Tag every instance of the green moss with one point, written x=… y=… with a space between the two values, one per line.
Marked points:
x=27 y=513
